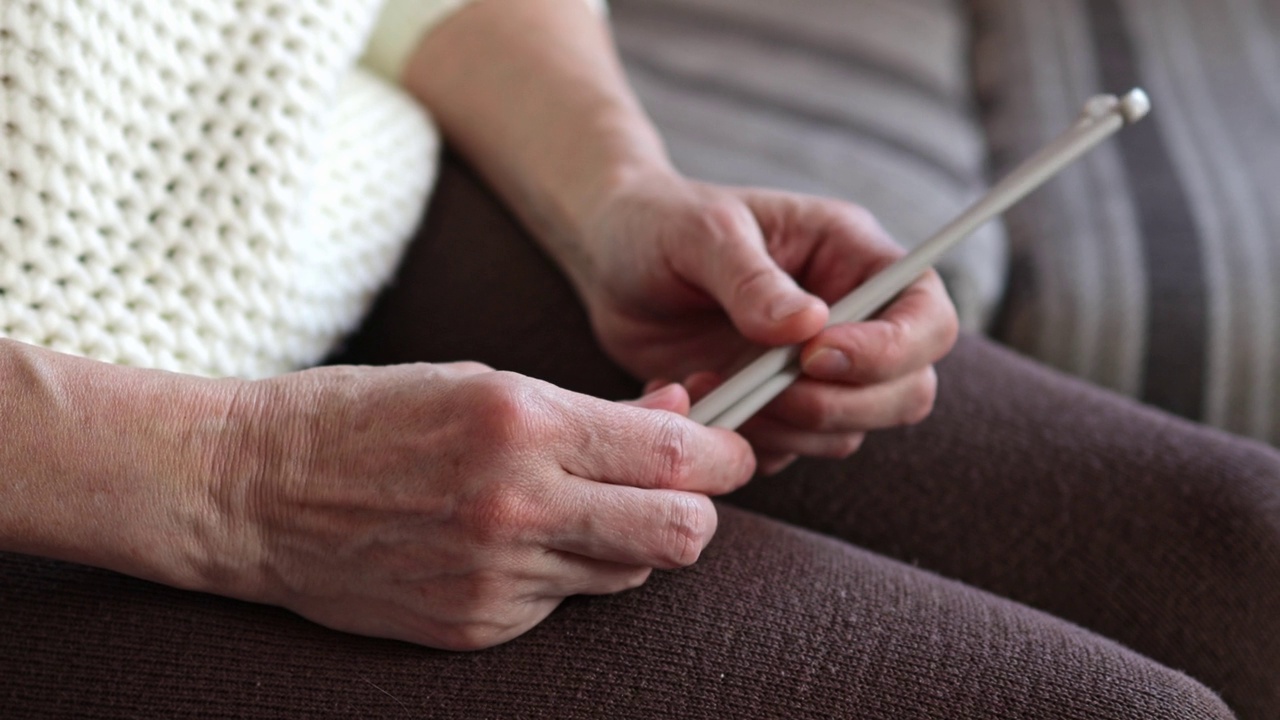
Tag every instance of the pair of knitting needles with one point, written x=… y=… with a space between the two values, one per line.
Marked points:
x=744 y=394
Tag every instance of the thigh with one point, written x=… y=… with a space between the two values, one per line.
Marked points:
x=773 y=622
x=1161 y=534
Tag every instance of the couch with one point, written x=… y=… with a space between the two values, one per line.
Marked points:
x=1149 y=268
x=1145 y=268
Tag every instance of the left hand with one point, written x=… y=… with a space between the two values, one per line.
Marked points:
x=688 y=278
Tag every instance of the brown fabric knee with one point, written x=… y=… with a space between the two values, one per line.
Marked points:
x=773 y=622
x=1161 y=534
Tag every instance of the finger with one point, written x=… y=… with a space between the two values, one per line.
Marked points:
x=618 y=444
x=571 y=574
x=729 y=260
x=667 y=396
x=849 y=243
x=418 y=371
x=699 y=385
x=772 y=464
x=917 y=330
x=463 y=626
x=465 y=368
x=772 y=437
x=813 y=406
x=630 y=526
x=655 y=385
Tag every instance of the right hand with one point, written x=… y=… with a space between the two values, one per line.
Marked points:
x=456 y=507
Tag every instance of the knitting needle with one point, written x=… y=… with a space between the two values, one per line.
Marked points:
x=744 y=394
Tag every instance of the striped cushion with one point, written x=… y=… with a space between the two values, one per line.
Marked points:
x=1154 y=266
x=868 y=101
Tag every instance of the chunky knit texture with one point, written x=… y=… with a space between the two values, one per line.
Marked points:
x=206 y=186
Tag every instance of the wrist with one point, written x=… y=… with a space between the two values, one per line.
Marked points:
x=239 y=455
x=110 y=466
x=260 y=452
x=620 y=152
x=276 y=448
x=579 y=124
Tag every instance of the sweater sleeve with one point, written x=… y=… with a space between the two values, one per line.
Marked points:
x=403 y=23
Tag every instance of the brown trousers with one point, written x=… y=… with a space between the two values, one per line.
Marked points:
x=1037 y=549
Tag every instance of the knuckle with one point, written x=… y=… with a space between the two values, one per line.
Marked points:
x=879 y=359
x=498 y=515
x=749 y=284
x=671 y=452
x=465 y=637
x=505 y=407
x=850 y=445
x=624 y=581
x=867 y=226
x=950 y=329
x=469 y=367
x=817 y=411
x=723 y=219
x=860 y=217
x=636 y=579
x=499 y=405
x=840 y=447
x=687 y=531
x=897 y=347
x=490 y=613
x=475 y=615
x=483 y=594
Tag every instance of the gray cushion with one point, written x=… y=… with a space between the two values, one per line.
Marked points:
x=1153 y=266
x=867 y=101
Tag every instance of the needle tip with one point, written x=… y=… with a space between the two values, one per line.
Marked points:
x=1135 y=106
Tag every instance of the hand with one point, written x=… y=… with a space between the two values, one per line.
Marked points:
x=687 y=277
x=455 y=507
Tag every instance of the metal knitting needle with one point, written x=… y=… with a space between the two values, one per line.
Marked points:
x=744 y=394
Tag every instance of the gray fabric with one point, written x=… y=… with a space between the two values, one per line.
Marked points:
x=867 y=101
x=1150 y=267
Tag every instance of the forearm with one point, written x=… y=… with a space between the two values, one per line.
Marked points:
x=109 y=466
x=532 y=93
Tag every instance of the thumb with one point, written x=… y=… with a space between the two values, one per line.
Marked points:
x=763 y=301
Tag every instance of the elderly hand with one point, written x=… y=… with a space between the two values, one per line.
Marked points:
x=455 y=506
x=687 y=277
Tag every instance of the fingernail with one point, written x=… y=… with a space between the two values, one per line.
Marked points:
x=788 y=305
x=828 y=362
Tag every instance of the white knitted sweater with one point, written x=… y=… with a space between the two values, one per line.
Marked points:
x=206 y=186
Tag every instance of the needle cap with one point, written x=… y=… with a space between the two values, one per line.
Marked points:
x=1135 y=106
